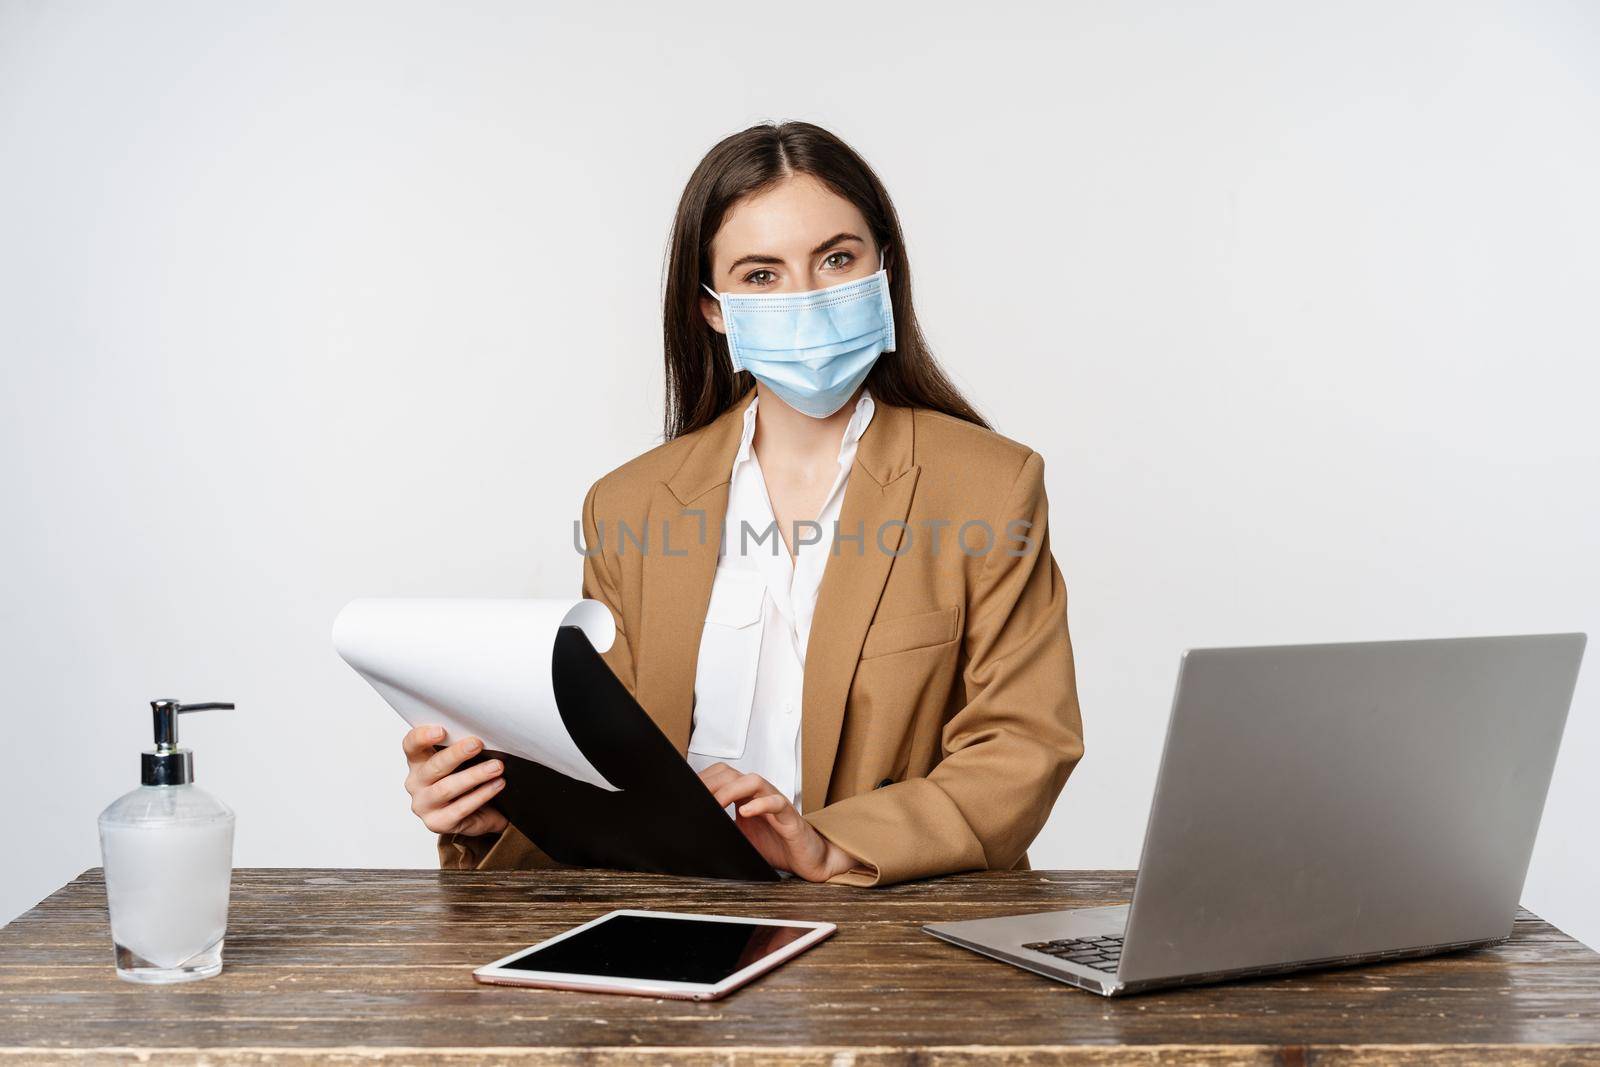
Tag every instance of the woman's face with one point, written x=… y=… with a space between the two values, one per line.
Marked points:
x=796 y=236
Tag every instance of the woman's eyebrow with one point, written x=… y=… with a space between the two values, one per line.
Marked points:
x=756 y=257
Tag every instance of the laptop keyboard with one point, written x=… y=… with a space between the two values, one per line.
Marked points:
x=1101 y=953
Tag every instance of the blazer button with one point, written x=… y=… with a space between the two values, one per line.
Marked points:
x=886 y=781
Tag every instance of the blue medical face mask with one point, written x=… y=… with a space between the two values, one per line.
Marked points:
x=813 y=349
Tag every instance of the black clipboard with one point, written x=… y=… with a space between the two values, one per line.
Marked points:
x=661 y=818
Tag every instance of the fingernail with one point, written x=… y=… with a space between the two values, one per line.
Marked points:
x=495 y=766
x=474 y=746
x=498 y=783
x=435 y=734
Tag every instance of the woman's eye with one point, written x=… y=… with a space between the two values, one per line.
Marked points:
x=759 y=278
x=839 y=260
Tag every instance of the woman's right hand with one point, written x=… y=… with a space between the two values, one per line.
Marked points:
x=449 y=801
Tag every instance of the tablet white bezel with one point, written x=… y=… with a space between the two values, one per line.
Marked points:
x=497 y=973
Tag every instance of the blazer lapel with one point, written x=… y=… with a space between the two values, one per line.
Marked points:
x=878 y=498
x=680 y=564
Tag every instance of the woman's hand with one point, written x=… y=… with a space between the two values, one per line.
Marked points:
x=774 y=827
x=449 y=801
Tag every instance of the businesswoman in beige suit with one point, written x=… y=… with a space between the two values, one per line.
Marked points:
x=832 y=583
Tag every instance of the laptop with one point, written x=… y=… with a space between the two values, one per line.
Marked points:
x=1320 y=806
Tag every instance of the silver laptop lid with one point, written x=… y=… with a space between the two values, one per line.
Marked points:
x=1322 y=801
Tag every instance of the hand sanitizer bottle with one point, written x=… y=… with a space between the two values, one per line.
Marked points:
x=168 y=853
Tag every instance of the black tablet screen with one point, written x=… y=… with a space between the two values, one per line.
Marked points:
x=660 y=949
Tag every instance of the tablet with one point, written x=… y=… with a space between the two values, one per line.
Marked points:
x=657 y=954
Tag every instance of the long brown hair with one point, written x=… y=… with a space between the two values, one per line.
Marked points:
x=701 y=382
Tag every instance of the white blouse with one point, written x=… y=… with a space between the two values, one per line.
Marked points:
x=751 y=670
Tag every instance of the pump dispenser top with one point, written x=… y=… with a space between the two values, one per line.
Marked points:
x=167 y=764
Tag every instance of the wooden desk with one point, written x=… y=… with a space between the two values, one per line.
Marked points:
x=358 y=965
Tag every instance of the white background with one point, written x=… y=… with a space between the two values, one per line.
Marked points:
x=311 y=301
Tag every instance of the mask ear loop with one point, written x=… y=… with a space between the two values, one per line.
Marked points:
x=727 y=325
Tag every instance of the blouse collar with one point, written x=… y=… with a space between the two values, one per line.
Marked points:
x=852 y=430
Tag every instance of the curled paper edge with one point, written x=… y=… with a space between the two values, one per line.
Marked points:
x=477 y=667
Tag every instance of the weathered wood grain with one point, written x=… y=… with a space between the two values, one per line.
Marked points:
x=354 y=966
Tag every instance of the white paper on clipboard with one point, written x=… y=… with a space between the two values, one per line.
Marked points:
x=477 y=667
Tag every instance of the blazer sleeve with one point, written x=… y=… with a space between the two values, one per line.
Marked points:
x=509 y=849
x=1008 y=751
x=600 y=583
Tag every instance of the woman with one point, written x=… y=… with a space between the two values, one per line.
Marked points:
x=832 y=583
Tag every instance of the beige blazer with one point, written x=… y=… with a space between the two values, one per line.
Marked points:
x=940 y=710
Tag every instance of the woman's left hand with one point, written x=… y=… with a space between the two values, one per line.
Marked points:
x=774 y=827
